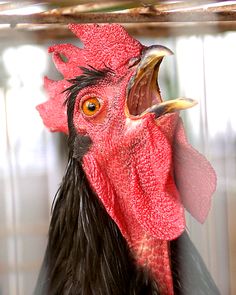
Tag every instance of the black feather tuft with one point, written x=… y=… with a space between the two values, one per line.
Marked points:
x=80 y=147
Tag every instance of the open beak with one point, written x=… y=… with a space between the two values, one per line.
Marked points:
x=144 y=94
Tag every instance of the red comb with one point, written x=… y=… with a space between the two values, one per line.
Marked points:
x=104 y=46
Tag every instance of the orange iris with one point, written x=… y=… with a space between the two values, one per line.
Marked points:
x=90 y=106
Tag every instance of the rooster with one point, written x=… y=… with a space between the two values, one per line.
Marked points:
x=118 y=224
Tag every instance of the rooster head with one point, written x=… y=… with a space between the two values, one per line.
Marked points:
x=131 y=143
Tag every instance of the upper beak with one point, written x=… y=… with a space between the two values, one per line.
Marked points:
x=152 y=57
x=147 y=73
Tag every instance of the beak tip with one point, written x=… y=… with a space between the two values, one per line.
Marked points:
x=192 y=102
x=169 y=52
x=158 y=51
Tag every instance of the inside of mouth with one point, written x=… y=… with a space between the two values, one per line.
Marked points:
x=144 y=92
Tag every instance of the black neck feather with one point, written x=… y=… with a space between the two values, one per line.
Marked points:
x=86 y=253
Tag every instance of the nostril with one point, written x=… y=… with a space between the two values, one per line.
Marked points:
x=133 y=62
x=64 y=58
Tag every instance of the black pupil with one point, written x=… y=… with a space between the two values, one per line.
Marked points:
x=91 y=106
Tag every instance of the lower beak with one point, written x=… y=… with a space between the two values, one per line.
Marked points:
x=171 y=106
x=147 y=75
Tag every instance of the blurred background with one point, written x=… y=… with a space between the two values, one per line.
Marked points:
x=32 y=160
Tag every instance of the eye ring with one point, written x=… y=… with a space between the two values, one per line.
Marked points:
x=90 y=106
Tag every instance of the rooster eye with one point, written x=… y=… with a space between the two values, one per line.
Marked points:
x=90 y=106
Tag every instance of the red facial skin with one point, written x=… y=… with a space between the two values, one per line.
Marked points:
x=142 y=169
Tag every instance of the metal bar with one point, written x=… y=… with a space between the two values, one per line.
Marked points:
x=131 y=6
x=201 y=15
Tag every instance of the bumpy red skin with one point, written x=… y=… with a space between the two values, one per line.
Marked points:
x=143 y=170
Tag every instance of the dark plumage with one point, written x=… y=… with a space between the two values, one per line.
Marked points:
x=86 y=254
x=189 y=272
